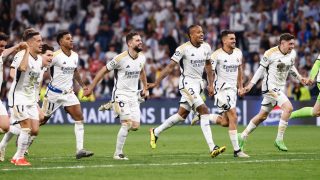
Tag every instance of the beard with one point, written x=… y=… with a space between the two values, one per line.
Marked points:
x=137 y=49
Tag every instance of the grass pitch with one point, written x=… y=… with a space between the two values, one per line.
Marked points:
x=181 y=154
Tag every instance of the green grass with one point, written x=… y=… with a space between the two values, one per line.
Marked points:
x=181 y=154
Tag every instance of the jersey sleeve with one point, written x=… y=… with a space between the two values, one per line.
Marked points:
x=265 y=61
x=17 y=59
x=178 y=55
x=240 y=57
x=209 y=52
x=214 y=60
x=113 y=64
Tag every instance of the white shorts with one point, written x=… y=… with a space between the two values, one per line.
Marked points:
x=225 y=99
x=23 y=112
x=53 y=101
x=127 y=108
x=3 y=110
x=191 y=96
x=272 y=99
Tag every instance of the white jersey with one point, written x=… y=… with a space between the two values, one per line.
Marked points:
x=192 y=61
x=226 y=67
x=126 y=73
x=1 y=71
x=62 y=69
x=278 y=66
x=23 y=89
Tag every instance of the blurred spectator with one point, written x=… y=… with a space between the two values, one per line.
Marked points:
x=99 y=29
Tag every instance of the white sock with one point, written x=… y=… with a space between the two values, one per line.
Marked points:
x=172 y=120
x=233 y=134
x=22 y=142
x=121 y=139
x=30 y=141
x=245 y=133
x=15 y=129
x=79 y=132
x=281 y=129
x=5 y=140
x=206 y=130
x=213 y=118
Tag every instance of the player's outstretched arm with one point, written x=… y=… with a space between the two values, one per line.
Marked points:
x=294 y=72
x=210 y=77
x=78 y=78
x=260 y=71
x=167 y=70
x=15 y=48
x=143 y=79
x=240 y=80
x=95 y=81
x=25 y=60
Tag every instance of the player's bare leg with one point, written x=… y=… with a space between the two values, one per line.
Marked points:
x=283 y=123
x=253 y=124
x=76 y=113
x=126 y=127
x=19 y=159
x=233 y=133
x=4 y=124
x=206 y=130
x=181 y=115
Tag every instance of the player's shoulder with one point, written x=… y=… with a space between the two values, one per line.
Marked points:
x=121 y=56
x=57 y=53
x=20 y=53
x=216 y=53
x=185 y=45
x=271 y=51
x=75 y=54
x=206 y=45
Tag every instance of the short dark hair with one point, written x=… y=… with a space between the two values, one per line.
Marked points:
x=61 y=34
x=46 y=47
x=225 y=33
x=190 y=28
x=130 y=36
x=3 y=36
x=286 y=37
x=29 y=33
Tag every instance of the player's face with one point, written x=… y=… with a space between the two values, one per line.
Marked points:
x=136 y=43
x=67 y=41
x=47 y=58
x=35 y=43
x=196 y=35
x=287 y=46
x=3 y=45
x=230 y=41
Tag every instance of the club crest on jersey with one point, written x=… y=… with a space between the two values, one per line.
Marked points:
x=265 y=59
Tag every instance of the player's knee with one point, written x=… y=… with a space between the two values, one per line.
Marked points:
x=4 y=129
x=135 y=126
x=263 y=117
x=34 y=132
x=224 y=124
x=317 y=113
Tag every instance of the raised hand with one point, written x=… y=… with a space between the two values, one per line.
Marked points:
x=210 y=90
x=87 y=91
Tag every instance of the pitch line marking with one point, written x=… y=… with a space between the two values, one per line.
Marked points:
x=181 y=155
x=153 y=164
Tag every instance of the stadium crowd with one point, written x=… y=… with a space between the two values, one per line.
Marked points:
x=99 y=28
